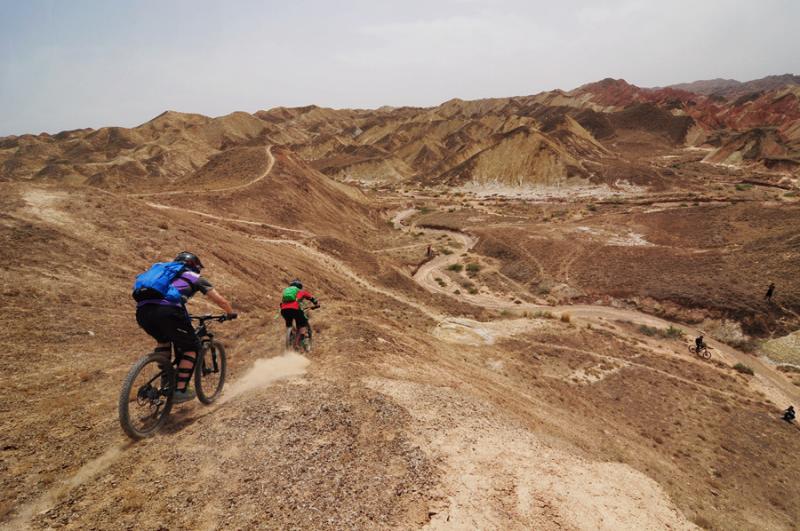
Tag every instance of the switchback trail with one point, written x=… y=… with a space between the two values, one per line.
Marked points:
x=262 y=176
x=427 y=274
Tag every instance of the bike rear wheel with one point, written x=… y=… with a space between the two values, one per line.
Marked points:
x=705 y=354
x=290 y=333
x=209 y=375
x=145 y=399
x=305 y=344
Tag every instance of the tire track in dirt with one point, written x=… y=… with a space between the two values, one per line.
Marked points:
x=263 y=373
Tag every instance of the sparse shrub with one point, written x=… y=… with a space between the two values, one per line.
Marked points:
x=566 y=318
x=163 y=225
x=543 y=315
x=457 y=292
x=591 y=207
x=742 y=368
x=446 y=250
x=473 y=267
x=455 y=267
x=674 y=333
x=667 y=333
x=748 y=344
x=473 y=291
x=743 y=187
x=517 y=301
x=648 y=330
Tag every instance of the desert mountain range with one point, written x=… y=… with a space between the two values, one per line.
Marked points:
x=552 y=138
x=509 y=288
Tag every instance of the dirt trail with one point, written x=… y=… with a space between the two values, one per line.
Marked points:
x=426 y=275
x=305 y=233
x=345 y=270
x=263 y=373
x=262 y=176
x=51 y=497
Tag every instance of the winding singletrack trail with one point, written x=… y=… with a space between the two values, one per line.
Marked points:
x=305 y=233
x=427 y=274
x=261 y=177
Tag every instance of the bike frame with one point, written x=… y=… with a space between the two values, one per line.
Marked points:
x=294 y=331
x=205 y=335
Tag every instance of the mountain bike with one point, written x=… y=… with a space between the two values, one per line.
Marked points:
x=704 y=352
x=304 y=344
x=147 y=392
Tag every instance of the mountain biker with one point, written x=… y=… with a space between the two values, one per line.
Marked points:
x=789 y=414
x=770 y=292
x=168 y=322
x=292 y=295
x=699 y=344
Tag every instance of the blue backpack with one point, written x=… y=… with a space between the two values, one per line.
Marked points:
x=156 y=283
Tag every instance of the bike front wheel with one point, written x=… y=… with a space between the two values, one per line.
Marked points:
x=146 y=396
x=209 y=375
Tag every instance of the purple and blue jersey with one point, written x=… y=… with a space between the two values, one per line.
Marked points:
x=187 y=283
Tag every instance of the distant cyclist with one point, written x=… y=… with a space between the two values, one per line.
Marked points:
x=167 y=320
x=292 y=295
x=789 y=414
x=699 y=344
x=770 y=292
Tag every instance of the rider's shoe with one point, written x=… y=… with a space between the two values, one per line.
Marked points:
x=183 y=396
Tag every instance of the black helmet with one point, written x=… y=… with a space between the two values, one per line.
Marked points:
x=191 y=260
x=296 y=283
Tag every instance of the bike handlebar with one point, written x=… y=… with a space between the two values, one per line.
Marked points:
x=208 y=317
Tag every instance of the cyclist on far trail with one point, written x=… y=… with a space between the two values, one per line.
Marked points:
x=699 y=343
x=293 y=294
x=161 y=295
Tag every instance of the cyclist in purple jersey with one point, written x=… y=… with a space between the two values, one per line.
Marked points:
x=168 y=322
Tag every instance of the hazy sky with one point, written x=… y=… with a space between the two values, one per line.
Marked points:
x=78 y=63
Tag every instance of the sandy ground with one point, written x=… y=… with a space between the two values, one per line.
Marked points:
x=422 y=409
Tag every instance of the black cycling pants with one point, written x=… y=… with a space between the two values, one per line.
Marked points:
x=292 y=314
x=168 y=324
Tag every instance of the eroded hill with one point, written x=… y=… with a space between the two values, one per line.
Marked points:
x=532 y=373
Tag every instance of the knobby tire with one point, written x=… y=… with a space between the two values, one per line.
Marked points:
x=125 y=393
x=205 y=361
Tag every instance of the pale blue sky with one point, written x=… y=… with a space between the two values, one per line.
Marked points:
x=80 y=63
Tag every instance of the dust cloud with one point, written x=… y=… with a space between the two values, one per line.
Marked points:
x=265 y=371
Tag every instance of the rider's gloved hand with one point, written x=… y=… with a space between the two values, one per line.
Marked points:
x=231 y=316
